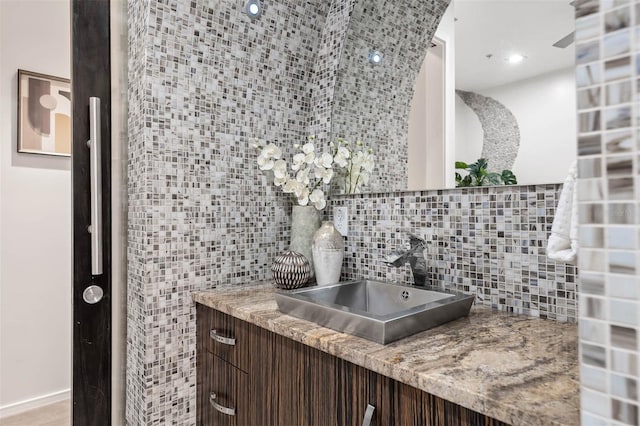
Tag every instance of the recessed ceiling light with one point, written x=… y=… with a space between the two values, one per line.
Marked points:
x=376 y=57
x=516 y=58
x=253 y=9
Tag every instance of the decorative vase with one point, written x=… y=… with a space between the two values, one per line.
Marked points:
x=305 y=222
x=328 y=253
x=291 y=270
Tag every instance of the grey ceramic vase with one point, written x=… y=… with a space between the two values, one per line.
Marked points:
x=328 y=253
x=291 y=270
x=305 y=221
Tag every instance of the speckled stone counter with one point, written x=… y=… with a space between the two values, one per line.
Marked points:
x=517 y=369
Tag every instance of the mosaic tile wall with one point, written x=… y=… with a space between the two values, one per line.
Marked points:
x=205 y=80
x=372 y=102
x=500 y=128
x=607 y=50
x=489 y=242
x=326 y=68
x=137 y=249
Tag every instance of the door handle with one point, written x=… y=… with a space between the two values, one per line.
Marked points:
x=221 y=339
x=368 y=415
x=95 y=143
x=221 y=408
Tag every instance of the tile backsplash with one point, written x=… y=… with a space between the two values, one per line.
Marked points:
x=607 y=48
x=490 y=242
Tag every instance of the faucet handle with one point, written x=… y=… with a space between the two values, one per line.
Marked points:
x=416 y=241
x=395 y=258
x=413 y=238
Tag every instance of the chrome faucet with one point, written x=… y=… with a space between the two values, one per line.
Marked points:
x=414 y=256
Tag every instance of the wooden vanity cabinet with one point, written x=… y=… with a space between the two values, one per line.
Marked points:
x=304 y=386
x=227 y=338
x=284 y=382
x=224 y=385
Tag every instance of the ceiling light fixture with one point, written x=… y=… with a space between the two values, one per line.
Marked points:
x=376 y=57
x=253 y=9
x=516 y=58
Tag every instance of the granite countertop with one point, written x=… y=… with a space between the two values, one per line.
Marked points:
x=517 y=369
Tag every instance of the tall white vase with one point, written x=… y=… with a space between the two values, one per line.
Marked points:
x=305 y=221
x=328 y=253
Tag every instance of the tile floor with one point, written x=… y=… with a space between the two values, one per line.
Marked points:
x=58 y=414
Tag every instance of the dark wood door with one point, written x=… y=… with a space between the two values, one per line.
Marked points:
x=400 y=404
x=90 y=77
x=293 y=384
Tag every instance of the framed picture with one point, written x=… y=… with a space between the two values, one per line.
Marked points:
x=44 y=114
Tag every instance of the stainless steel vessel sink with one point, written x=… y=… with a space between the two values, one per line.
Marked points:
x=378 y=311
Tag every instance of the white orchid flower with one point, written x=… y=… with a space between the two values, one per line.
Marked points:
x=325 y=160
x=308 y=148
x=302 y=194
x=316 y=195
x=328 y=175
x=280 y=181
x=312 y=169
x=317 y=198
x=303 y=176
x=342 y=156
x=309 y=153
x=325 y=174
x=310 y=158
x=265 y=163
x=271 y=151
x=298 y=161
x=357 y=159
x=368 y=164
x=289 y=186
x=280 y=175
x=280 y=169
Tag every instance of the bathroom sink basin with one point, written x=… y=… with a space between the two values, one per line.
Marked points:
x=378 y=311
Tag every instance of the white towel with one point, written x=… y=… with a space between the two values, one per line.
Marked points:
x=563 y=241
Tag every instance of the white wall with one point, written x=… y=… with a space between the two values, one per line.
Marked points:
x=447 y=33
x=469 y=135
x=426 y=125
x=546 y=151
x=431 y=134
x=35 y=219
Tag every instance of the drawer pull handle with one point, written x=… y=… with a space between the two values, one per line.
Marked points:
x=221 y=408
x=221 y=339
x=368 y=415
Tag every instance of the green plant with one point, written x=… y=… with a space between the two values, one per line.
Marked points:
x=479 y=175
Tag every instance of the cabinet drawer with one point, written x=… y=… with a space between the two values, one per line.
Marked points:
x=224 y=395
x=228 y=338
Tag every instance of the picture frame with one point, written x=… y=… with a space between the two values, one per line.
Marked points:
x=44 y=114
